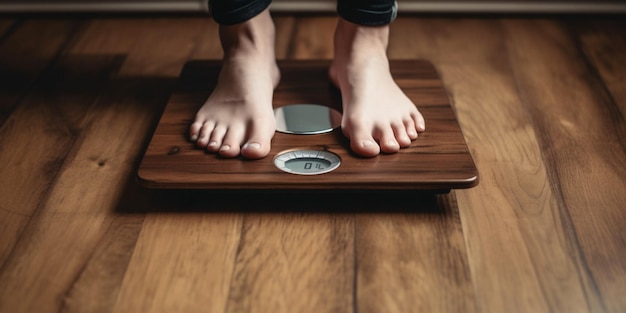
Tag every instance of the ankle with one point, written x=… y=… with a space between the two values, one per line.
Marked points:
x=253 y=37
x=353 y=40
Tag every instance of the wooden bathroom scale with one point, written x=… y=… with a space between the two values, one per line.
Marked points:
x=438 y=160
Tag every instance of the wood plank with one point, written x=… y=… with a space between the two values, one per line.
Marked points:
x=295 y=262
x=579 y=132
x=158 y=44
x=313 y=38
x=37 y=138
x=25 y=53
x=285 y=27
x=411 y=256
x=182 y=262
x=603 y=43
x=519 y=244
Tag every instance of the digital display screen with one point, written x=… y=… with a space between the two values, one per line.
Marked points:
x=307 y=165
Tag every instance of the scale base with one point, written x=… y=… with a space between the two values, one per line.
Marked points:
x=437 y=161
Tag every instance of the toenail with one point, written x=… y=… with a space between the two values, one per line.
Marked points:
x=225 y=148
x=392 y=142
x=212 y=143
x=422 y=125
x=194 y=137
x=367 y=143
x=253 y=145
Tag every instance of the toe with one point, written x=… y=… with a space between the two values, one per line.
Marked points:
x=363 y=144
x=258 y=144
x=194 y=130
x=253 y=149
x=401 y=136
x=411 y=129
x=388 y=142
x=216 y=138
x=204 y=134
x=231 y=144
x=418 y=119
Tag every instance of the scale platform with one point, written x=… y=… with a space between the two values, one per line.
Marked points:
x=438 y=160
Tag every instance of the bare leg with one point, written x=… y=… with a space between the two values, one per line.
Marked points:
x=238 y=118
x=377 y=115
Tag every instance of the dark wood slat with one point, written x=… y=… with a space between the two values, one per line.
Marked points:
x=517 y=238
x=578 y=132
x=97 y=284
x=25 y=53
x=182 y=262
x=313 y=38
x=603 y=43
x=110 y=226
x=411 y=256
x=294 y=262
x=38 y=136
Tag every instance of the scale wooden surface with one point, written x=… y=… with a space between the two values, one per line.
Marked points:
x=438 y=160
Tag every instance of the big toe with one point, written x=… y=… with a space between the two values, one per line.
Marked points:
x=254 y=149
x=363 y=144
x=258 y=144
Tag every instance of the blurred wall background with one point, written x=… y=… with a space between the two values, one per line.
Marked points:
x=438 y=6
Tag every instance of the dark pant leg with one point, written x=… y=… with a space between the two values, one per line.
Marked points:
x=230 y=12
x=367 y=12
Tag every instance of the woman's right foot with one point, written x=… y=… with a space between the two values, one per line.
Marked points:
x=238 y=118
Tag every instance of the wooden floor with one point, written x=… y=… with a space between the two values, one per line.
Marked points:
x=541 y=102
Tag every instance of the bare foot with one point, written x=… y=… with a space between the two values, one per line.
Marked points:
x=238 y=118
x=377 y=115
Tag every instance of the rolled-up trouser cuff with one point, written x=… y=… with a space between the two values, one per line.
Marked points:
x=230 y=12
x=361 y=13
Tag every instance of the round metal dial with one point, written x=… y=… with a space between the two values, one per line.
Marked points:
x=307 y=161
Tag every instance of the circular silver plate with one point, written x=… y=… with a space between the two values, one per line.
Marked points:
x=306 y=119
x=307 y=161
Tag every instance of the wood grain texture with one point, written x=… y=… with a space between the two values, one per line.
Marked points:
x=439 y=159
x=603 y=43
x=48 y=118
x=583 y=124
x=17 y=76
x=138 y=95
x=293 y=261
x=514 y=230
x=421 y=265
x=541 y=233
x=78 y=251
x=25 y=53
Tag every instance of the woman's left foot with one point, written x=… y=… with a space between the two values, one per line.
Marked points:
x=377 y=115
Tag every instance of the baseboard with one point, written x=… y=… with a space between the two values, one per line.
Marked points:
x=415 y=6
